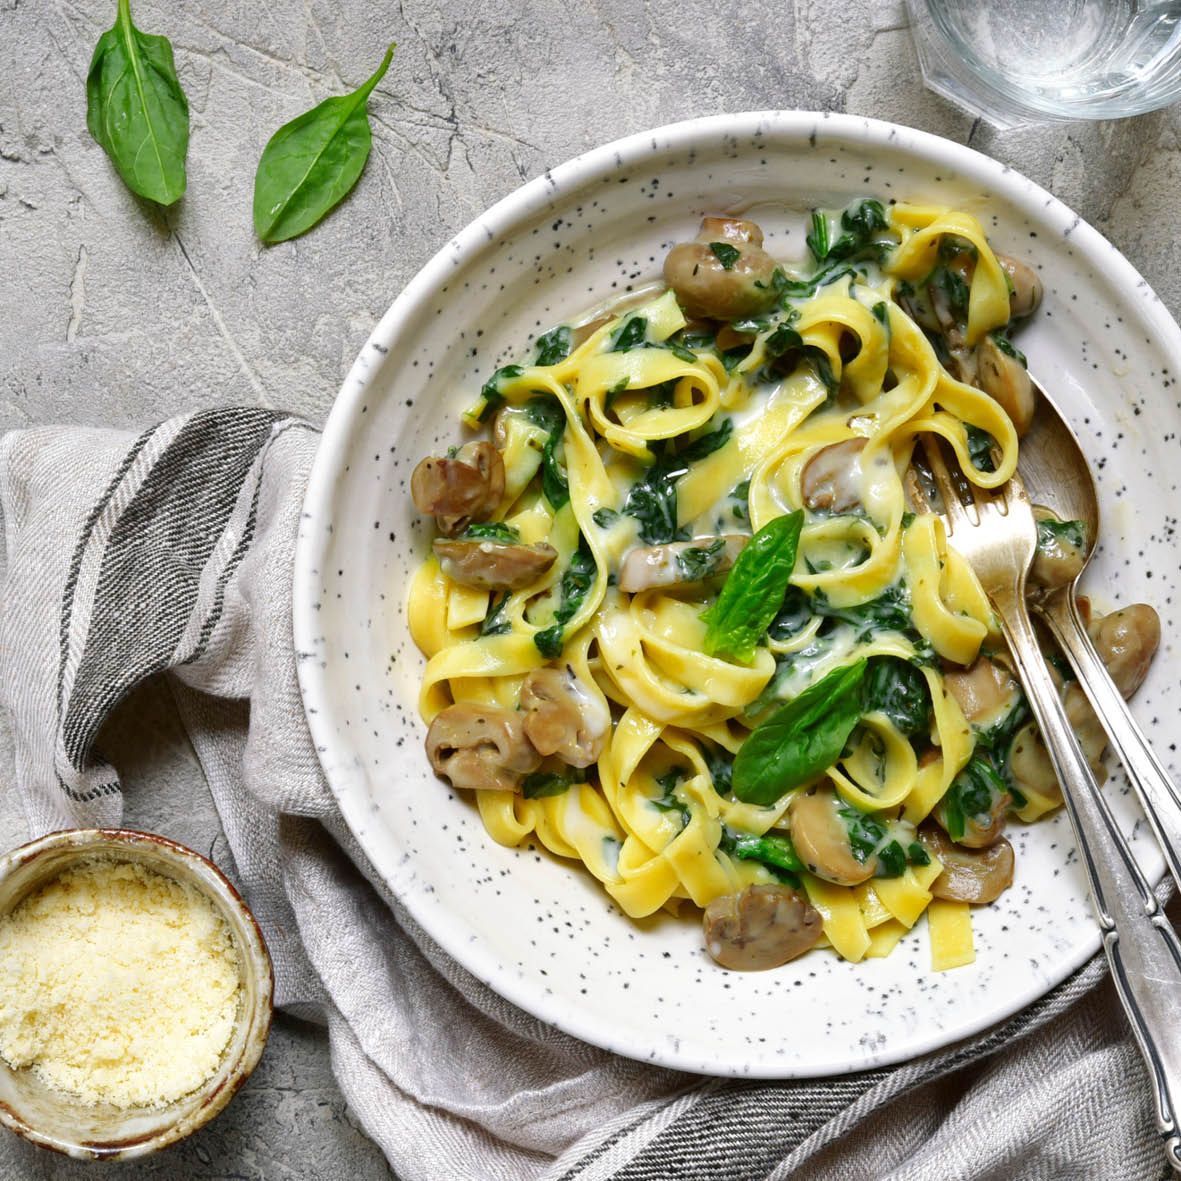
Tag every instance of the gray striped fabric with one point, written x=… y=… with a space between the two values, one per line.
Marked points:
x=170 y=554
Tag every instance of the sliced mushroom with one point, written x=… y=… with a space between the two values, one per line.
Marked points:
x=1005 y=380
x=727 y=283
x=821 y=839
x=679 y=562
x=562 y=717
x=1126 y=641
x=831 y=479
x=1058 y=560
x=493 y=565
x=1025 y=288
x=481 y=746
x=457 y=490
x=762 y=927
x=984 y=691
x=975 y=876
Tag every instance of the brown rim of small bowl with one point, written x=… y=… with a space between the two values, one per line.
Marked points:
x=257 y=972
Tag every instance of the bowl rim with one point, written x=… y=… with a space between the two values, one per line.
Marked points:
x=483 y=234
x=254 y=960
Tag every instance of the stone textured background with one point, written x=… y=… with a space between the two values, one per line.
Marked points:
x=115 y=312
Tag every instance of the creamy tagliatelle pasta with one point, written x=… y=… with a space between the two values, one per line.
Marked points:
x=691 y=621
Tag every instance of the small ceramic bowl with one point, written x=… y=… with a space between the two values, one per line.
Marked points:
x=104 y=1132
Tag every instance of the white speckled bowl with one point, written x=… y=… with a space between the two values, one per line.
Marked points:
x=104 y=1132
x=540 y=933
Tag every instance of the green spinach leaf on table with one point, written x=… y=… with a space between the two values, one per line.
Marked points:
x=137 y=111
x=310 y=164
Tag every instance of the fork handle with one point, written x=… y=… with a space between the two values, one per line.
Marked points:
x=1141 y=946
x=1157 y=793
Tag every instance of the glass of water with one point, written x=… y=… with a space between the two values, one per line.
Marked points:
x=1026 y=61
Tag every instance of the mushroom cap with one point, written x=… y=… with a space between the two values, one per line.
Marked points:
x=481 y=746
x=762 y=927
x=969 y=875
x=563 y=718
x=822 y=840
x=831 y=478
x=493 y=565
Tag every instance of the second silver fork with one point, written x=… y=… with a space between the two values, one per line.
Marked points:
x=996 y=534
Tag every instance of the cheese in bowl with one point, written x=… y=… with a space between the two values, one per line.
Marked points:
x=135 y=992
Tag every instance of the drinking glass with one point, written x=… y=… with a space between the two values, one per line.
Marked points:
x=1025 y=61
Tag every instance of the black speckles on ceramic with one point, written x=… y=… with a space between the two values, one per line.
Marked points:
x=542 y=933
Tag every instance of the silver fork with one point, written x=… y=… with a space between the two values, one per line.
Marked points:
x=995 y=532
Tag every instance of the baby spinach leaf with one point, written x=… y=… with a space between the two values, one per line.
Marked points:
x=633 y=334
x=721 y=767
x=495 y=624
x=604 y=517
x=540 y=784
x=491 y=531
x=754 y=590
x=548 y=414
x=554 y=345
x=310 y=164
x=700 y=561
x=972 y=794
x=726 y=254
x=773 y=849
x=801 y=739
x=577 y=579
x=137 y=111
x=490 y=390
x=899 y=690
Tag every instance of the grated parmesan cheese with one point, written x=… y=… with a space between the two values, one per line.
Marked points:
x=117 y=984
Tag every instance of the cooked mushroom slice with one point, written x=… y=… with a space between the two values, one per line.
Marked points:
x=1126 y=641
x=562 y=717
x=493 y=565
x=984 y=691
x=1025 y=292
x=1059 y=559
x=763 y=927
x=679 y=562
x=821 y=839
x=481 y=746
x=831 y=479
x=1006 y=380
x=457 y=490
x=976 y=876
x=723 y=275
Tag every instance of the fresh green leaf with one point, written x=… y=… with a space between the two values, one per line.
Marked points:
x=310 y=164
x=136 y=109
x=899 y=690
x=726 y=254
x=754 y=590
x=577 y=579
x=491 y=531
x=800 y=740
x=547 y=413
x=554 y=346
x=708 y=443
x=862 y=223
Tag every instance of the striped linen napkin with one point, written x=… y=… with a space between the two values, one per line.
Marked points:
x=170 y=553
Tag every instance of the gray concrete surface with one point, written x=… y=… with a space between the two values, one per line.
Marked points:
x=115 y=312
